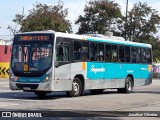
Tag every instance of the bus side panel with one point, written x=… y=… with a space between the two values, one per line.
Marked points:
x=96 y=70
x=146 y=75
x=99 y=75
x=63 y=80
x=107 y=75
x=135 y=71
x=95 y=75
x=141 y=74
x=102 y=75
x=78 y=68
x=113 y=75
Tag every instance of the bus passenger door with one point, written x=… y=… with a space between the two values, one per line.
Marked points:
x=62 y=65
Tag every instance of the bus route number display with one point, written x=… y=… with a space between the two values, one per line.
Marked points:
x=37 y=37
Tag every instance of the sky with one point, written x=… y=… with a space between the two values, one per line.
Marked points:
x=9 y=8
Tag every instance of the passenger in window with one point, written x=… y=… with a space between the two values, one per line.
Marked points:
x=100 y=56
x=114 y=59
x=114 y=56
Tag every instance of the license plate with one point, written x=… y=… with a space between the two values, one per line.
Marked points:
x=26 y=88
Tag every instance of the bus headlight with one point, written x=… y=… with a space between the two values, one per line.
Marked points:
x=47 y=78
x=11 y=78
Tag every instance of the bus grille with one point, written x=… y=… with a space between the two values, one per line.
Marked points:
x=32 y=86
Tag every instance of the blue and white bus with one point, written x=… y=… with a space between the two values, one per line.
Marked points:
x=46 y=61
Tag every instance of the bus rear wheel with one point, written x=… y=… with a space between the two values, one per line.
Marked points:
x=128 y=86
x=76 y=88
x=97 y=91
x=40 y=93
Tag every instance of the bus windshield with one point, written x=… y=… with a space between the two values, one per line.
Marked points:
x=31 y=57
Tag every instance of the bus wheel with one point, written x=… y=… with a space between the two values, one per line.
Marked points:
x=128 y=86
x=76 y=88
x=97 y=91
x=40 y=93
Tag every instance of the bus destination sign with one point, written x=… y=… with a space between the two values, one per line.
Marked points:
x=34 y=37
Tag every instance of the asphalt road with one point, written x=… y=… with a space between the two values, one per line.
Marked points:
x=143 y=98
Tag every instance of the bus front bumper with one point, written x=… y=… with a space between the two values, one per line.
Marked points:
x=45 y=86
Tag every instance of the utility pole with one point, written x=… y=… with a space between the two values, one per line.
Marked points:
x=126 y=24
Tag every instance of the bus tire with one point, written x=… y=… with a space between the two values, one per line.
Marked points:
x=97 y=91
x=128 y=86
x=40 y=93
x=76 y=88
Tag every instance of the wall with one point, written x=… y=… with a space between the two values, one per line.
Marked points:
x=5 y=60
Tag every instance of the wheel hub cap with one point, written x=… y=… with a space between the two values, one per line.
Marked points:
x=75 y=87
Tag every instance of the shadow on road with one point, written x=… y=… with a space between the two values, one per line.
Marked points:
x=30 y=96
x=53 y=95
x=61 y=95
x=148 y=92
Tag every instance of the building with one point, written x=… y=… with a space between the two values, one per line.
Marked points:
x=5 y=42
x=5 y=54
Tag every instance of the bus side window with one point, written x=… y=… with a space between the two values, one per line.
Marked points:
x=59 y=53
x=85 y=51
x=148 y=56
x=136 y=55
x=62 y=53
x=66 y=53
x=121 y=54
x=127 y=54
x=139 y=60
x=108 y=52
x=77 y=50
x=100 y=53
x=143 y=54
x=93 y=51
x=114 y=53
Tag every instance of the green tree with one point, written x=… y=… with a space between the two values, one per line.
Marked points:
x=142 y=25
x=99 y=15
x=142 y=21
x=45 y=17
x=156 y=49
